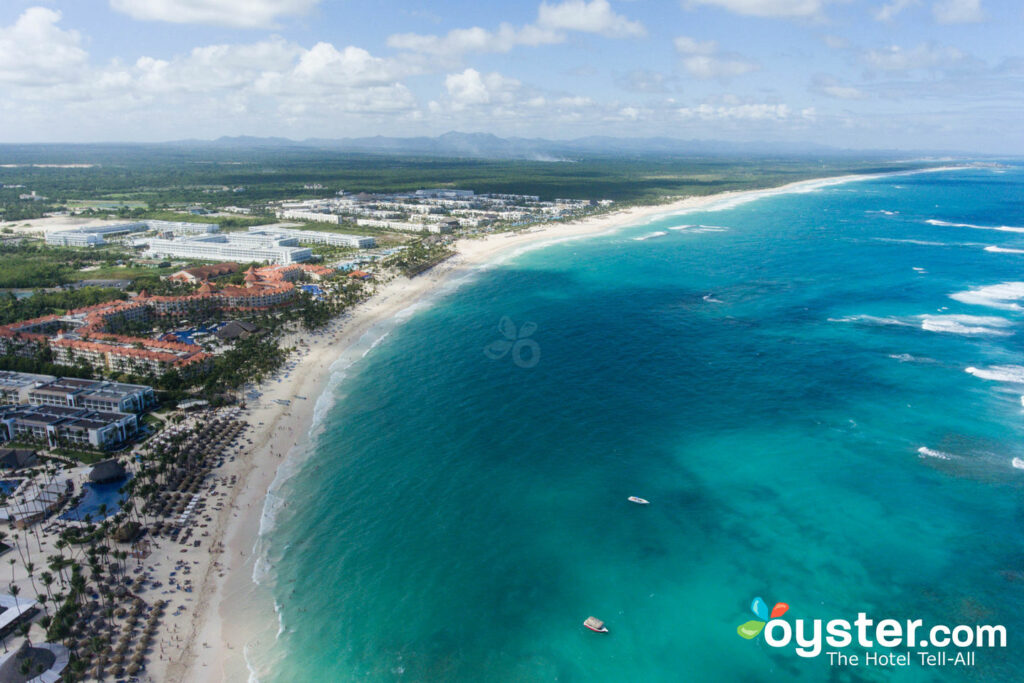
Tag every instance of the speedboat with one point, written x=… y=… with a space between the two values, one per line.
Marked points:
x=638 y=501
x=595 y=625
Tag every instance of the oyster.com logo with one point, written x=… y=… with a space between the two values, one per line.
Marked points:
x=902 y=642
x=753 y=628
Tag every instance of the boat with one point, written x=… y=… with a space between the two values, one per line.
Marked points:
x=638 y=501
x=595 y=625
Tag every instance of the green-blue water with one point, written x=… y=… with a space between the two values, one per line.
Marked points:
x=767 y=383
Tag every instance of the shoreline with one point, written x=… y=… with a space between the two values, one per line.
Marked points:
x=215 y=634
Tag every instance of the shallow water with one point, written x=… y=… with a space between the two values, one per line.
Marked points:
x=786 y=380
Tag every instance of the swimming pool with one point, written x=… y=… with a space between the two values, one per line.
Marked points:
x=96 y=495
x=8 y=486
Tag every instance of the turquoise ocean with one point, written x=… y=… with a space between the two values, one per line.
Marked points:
x=820 y=393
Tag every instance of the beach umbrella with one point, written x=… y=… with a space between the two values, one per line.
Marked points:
x=133 y=668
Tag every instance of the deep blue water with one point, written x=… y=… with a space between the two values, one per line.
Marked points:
x=785 y=380
x=108 y=493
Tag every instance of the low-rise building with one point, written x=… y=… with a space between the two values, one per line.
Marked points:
x=15 y=386
x=66 y=425
x=95 y=394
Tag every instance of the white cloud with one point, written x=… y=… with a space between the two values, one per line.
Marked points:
x=689 y=46
x=705 y=67
x=924 y=56
x=888 y=11
x=767 y=8
x=703 y=62
x=958 y=11
x=832 y=87
x=739 y=112
x=239 y=13
x=471 y=88
x=552 y=23
x=595 y=16
x=35 y=51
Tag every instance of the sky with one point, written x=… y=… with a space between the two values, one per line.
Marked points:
x=861 y=74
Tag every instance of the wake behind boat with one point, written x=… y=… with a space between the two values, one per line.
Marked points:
x=595 y=625
x=638 y=501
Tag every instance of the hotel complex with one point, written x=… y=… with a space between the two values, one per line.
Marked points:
x=93 y=235
x=251 y=246
x=23 y=387
x=82 y=335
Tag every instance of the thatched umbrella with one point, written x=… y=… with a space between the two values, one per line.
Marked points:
x=117 y=659
x=133 y=669
x=118 y=670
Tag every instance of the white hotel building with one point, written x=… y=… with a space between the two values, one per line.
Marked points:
x=241 y=247
x=336 y=239
x=93 y=235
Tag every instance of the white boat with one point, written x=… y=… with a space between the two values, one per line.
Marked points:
x=638 y=501
x=595 y=625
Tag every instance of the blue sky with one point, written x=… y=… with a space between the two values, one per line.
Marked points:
x=907 y=74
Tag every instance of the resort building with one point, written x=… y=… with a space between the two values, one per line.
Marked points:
x=94 y=394
x=66 y=425
x=335 y=239
x=204 y=273
x=15 y=386
x=232 y=247
x=94 y=235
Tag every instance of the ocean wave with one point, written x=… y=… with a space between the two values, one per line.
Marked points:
x=710 y=298
x=682 y=227
x=651 y=236
x=999 y=373
x=873 y=320
x=1004 y=250
x=926 y=452
x=923 y=243
x=1017 y=463
x=884 y=212
x=971 y=325
x=1000 y=228
x=1003 y=296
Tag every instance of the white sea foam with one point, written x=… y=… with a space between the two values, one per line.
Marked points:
x=1000 y=228
x=651 y=236
x=682 y=227
x=1017 y=463
x=926 y=452
x=872 y=320
x=1004 y=296
x=971 y=325
x=999 y=373
x=1004 y=250
x=711 y=299
x=923 y=243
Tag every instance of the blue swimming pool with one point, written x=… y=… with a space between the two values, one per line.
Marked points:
x=7 y=486
x=315 y=290
x=97 y=495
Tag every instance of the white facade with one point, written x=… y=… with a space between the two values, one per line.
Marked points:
x=234 y=247
x=316 y=237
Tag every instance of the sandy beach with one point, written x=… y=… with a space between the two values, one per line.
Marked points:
x=209 y=638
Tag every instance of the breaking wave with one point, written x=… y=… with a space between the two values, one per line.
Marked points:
x=999 y=373
x=1000 y=228
x=1003 y=296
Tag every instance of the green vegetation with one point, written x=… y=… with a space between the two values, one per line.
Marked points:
x=165 y=176
x=41 y=303
x=420 y=256
x=31 y=264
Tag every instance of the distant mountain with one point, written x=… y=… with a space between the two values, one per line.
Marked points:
x=488 y=146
